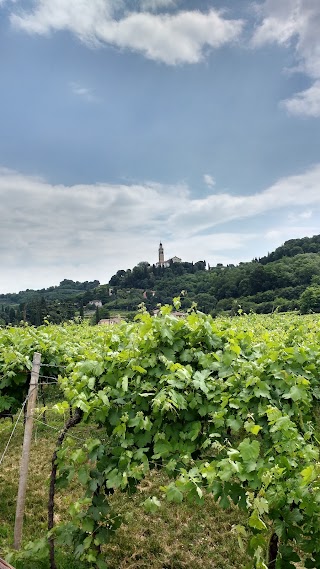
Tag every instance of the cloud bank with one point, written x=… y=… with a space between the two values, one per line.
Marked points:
x=297 y=23
x=172 y=38
x=73 y=231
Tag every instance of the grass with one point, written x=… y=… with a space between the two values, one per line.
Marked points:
x=181 y=536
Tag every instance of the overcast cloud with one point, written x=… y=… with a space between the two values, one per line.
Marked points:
x=72 y=226
x=190 y=122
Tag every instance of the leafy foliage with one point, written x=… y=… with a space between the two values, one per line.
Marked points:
x=310 y=299
x=225 y=406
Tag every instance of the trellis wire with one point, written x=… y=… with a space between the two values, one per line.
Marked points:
x=13 y=430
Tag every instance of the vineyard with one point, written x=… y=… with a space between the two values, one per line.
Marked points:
x=226 y=409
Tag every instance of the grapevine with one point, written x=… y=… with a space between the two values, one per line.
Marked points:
x=225 y=406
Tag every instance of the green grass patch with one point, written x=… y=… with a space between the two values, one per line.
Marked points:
x=178 y=536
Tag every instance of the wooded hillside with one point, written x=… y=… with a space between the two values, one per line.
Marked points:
x=285 y=279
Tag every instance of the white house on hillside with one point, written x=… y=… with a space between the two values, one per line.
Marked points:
x=97 y=303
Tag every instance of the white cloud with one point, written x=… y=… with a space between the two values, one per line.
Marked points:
x=306 y=102
x=306 y=214
x=90 y=231
x=277 y=236
x=83 y=92
x=297 y=23
x=293 y=191
x=280 y=21
x=209 y=180
x=177 y=38
x=78 y=16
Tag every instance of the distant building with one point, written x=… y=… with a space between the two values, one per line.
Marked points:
x=168 y=262
x=96 y=303
x=114 y=320
x=175 y=313
x=152 y=292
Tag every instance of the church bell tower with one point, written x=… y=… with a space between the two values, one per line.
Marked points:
x=161 y=254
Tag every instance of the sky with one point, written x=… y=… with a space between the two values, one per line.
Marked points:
x=128 y=122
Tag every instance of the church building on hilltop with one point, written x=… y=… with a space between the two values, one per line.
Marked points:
x=168 y=262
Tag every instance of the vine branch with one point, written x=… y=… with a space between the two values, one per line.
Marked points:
x=72 y=422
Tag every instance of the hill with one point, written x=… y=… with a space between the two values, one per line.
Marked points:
x=294 y=247
x=59 y=303
x=278 y=281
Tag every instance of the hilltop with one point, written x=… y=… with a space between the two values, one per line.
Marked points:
x=277 y=281
x=263 y=285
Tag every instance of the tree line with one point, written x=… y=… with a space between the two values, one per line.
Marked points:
x=284 y=280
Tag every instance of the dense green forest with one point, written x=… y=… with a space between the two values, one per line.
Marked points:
x=56 y=303
x=286 y=279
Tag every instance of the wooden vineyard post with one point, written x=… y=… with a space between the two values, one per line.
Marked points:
x=32 y=397
x=5 y=565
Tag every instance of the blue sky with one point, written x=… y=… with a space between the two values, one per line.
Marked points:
x=124 y=122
